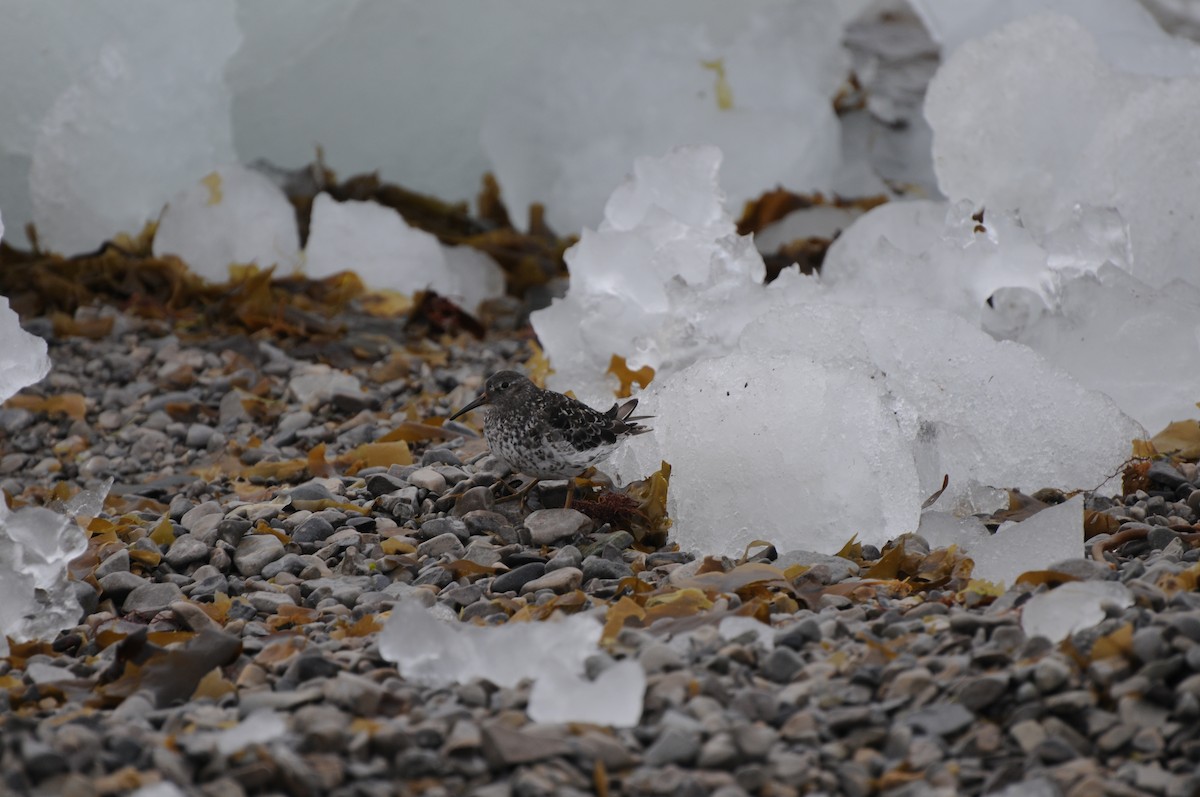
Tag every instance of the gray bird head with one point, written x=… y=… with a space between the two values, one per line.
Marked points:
x=503 y=388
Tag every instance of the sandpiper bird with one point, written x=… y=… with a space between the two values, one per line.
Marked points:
x=546 y=435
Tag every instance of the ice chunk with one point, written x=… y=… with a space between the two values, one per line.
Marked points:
x=1049 y=536
x=663 y=282
x=260 y=727
x=566 y=131
x=1039 y=116
x=734 y=626
x=1072 y=607
x=375 y=242
x=24 y=360
x=943 y=529
x=136 y=124
x=232 y=216
x=36 y=601
x=614 y=698
x=438 y=653
x=849 y=416
x=315 y=384
x=1153 y=333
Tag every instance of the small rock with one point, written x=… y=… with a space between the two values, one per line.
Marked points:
x=548 y=526
x=518 y=577
x=118 y=585
x=798 y=635
x=673 y=746
x=115 y=563
x=979 y=693
x=447 y=543
x=567 y=556
x=428 y=479
x=597 y=567
x=269 y=602
x=151 y=598
x=255 y=552
x=186 y=550
x=562 y=580
x=837 y=568
x=435 y=527
x=476 y=499
x=383 y=483
x=782 y=664
x=314 y=529
x=506 y=746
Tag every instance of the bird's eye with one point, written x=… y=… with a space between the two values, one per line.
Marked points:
x=504 y=385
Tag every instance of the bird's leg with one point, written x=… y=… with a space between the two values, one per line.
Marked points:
x=570 y=492
x=521 y=494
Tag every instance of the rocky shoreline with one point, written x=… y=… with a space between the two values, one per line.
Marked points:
x=235 y=580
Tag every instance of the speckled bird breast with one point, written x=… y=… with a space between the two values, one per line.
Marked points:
x=535 y=450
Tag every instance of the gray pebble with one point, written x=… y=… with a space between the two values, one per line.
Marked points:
x=673 y=746
x=313 y=529
x=548 y=526
x=119 y=584
x=567 y=556
x=596 y=567
x=518 y=577
x=447 y=543
x=186 y=550
x=151 y=598
x=255 y=552
x=435 y=527
x=117 y=562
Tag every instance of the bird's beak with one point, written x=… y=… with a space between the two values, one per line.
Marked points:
x=480 y=401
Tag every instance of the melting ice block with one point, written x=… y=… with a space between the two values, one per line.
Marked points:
x=614 y=698
x=1072 y=607
x=1049 y=536
x=1040 y=115
x=846 y=417
x=564 y=134
x=429 y=651
x=377 y=243
x=664 y=281
x=232 y=216
x=1066 y=293
x=135 y=125
x=23 y=360
x=36 y=601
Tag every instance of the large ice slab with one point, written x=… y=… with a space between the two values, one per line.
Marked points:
x=1039 y=116
x=231 y=216
x=377 y=243
x=565 y=133
x=137 y=123
x=551 y=654
x=1051 y=535
x=1065 y=292
x=847 y=416
x=1072 y=607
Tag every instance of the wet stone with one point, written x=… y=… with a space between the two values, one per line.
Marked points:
x=518 y=577
x=549 y=526
x=151 y=598
x=436 y=527
x=186 y=550
x=255 y=552
x=314 y=529
x=447 y=543
x=562 y=580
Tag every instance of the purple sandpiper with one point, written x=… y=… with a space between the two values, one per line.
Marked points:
x=546 y=435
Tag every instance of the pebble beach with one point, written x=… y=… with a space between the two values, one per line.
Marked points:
x=241 y=570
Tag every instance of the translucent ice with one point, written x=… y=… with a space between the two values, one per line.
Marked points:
x=260 y=727
x=849 y=416
x=1064 y=292
x=232 y=216
x=375 y=242
x=36 y=601
x=663 y=282
x=316 y=383
x=1049 y=536
x=1042 y=115
x=1153 y=333
x=24 y=360
x=1072 y=607
x=565 y=133
x=437 y=653
x=614 y=698
x=147 y=114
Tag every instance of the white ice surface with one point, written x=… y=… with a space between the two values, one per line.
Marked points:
x=143 y=115
x=435 y=652
x=1036 y=117
x=260 y=727
x=1071 y=607
x=36 y=546
x=377 y=243
x=232 y=216
x=23 y=357
x=565 y=134
x=315 y=383
x=1051 y=535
